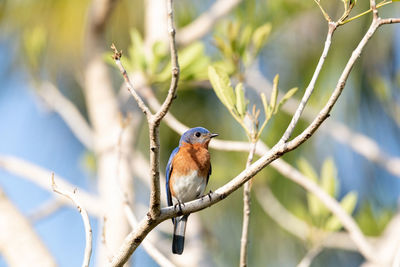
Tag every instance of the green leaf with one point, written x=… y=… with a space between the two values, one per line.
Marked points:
x=225 y=48
x=315 y=206
x=266 y=107
x=222 y=86
x=286 y=97
x=245 y=39
x=328 y=177
x=274 y=93
x=348 y=203
x=136 y=51
x=34 y=43
x=240 y=100
x=260 y=36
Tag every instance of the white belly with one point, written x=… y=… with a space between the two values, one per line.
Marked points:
x=189 y=187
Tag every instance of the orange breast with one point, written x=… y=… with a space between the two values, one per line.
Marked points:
x=191 y=157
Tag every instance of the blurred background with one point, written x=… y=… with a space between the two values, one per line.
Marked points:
x=52 y=45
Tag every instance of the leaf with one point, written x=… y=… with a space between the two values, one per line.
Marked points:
x=266 y=107
x=136 y=51
x=260 y=36
x=315 y=206
x=240 y=100
x=286 y=97
x=34 y=41
x=245 y=39
x=225 y=49
x=222 y=86
x=190 y=54
x=274 y=93
x=328 y=177
x=348 y=203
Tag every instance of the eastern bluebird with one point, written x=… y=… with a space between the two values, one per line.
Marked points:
x=188 y=170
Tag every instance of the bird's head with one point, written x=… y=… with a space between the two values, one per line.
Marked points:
x=197 y=135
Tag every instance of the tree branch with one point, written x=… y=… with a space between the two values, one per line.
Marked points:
x=361 y=144
x=40 y=177
x=310 y=88
x=204 y=23
x=117 y=58
x=85 y=219
x=246 y=210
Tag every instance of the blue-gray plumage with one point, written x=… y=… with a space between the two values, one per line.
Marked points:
x=187 y=174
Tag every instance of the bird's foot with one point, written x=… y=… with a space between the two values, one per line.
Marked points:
x=179 y=205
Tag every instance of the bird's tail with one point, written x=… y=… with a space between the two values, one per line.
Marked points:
x=178 y=241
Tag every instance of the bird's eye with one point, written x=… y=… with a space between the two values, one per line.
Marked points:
x=197 y=134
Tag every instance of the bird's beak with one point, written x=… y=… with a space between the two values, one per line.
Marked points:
x=213 y=135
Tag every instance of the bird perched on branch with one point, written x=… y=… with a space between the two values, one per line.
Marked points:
x=188 y=171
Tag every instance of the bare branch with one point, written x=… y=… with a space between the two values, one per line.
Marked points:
x=360 y=143
x=84 y=215
x=174 y=68
x=117 y=58
x=204 y=23
x=310 y=88
x=19 y=244
x=246 y=210
x=40 y=177
x=68 y=112
x=154 y=123
x=154 y=253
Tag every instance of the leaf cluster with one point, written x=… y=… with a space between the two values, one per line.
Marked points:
x=240 y=45
x=321 y=216
x=237 y=104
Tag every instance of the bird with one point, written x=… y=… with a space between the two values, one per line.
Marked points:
x=187 y=174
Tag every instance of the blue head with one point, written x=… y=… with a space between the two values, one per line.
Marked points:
x=197 y=135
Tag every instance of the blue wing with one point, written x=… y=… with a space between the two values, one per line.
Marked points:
x=168 y=174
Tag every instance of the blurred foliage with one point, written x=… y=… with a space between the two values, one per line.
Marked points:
x=239 y=44
x=372 y=221
x=320 y=215
x=236 y=103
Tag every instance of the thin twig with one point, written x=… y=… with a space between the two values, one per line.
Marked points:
x=40 y=177
x=175 y=70
x=310 y=88
x=85 y=219
x=360 y=143
x=117 y=58
x=246 y=210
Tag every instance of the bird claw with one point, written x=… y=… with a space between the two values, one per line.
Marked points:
x=209 y=194
x=179 y=204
